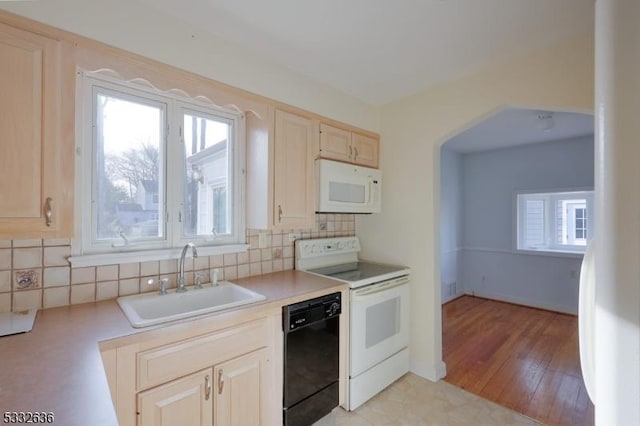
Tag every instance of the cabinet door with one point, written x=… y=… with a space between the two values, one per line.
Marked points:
x=365 y=150
x=185 y=402
x=294 y=181
x=241 y=390
x=335 y=144
x=34 y=159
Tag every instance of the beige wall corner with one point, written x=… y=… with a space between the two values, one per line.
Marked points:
x=558 y=77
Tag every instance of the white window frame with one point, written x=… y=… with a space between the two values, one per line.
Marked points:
x=85 y=250
x=570 y=227
x=210 y=191
x=550 y=246
x=235 y=185
x=90 y=243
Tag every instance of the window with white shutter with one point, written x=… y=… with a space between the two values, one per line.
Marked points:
x=554 y=221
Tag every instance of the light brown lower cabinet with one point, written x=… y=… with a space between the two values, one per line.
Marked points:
x=240 y=391
x=201 y=377
x=187 y=401
x=231 y=393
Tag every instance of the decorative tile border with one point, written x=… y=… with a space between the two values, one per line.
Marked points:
x=27 y=279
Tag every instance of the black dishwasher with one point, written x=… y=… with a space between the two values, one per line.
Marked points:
x=311 y=359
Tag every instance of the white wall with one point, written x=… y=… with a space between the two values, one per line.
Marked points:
x=616 y=343
x=559 y=77
x=490 y=268
x=134 y=27
x=451 y=235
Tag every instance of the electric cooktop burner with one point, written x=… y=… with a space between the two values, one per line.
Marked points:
x=358 y=271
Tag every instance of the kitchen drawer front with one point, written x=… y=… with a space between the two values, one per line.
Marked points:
x=166 y=363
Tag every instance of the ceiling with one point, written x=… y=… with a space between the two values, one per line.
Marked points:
x=380 y=50
x=515 y=126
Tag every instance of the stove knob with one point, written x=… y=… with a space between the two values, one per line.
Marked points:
x=341 y=245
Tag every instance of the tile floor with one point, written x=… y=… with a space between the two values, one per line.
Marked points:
x=413 y=400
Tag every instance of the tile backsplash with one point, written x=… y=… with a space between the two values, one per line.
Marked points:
x=36 y=273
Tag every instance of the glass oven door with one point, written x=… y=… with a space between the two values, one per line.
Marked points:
x=379 y=322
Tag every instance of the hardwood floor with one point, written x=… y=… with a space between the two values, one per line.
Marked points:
x=522 y=358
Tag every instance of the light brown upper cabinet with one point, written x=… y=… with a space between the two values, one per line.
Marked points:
x=351 y=147
x=36 y=136
x=281 y=171
x=294 y=182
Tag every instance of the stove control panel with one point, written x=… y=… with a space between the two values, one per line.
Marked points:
x=327 y=246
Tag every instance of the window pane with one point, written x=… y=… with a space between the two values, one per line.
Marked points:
x=581 y=226
x=207 y=201
x=129 y=168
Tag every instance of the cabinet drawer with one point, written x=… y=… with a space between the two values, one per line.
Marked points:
x=165 y=363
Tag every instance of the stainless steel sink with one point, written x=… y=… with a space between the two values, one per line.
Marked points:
x=143 y=310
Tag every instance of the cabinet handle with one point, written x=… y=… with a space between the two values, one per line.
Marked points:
x=220 y=381
x=279 y=213
x=48 y=213
x=350 y=151
x=207 y=388
x=356 y=154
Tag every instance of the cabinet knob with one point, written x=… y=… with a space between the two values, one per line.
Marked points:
x=350 y=151
x=355 y=156
x=48 y=213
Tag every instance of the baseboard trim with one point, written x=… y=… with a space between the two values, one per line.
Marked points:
x=524 y=303
x=452 y=298
x=429 y=372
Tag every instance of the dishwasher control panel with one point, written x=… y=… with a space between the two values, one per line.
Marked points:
x=310 y=311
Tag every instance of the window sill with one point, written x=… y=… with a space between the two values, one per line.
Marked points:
x=149 y=255
x=550 y=252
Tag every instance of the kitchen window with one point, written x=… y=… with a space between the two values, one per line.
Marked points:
x=158 y=170
x=560 y=222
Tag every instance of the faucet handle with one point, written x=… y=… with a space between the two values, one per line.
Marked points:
x=164 y=283
x=215 y=277
x=198 y=278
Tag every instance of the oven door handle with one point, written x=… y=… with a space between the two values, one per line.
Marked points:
x=380 y=287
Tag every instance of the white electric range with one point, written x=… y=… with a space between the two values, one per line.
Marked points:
x=379 y=312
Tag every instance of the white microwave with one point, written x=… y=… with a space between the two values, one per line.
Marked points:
x=347 y=188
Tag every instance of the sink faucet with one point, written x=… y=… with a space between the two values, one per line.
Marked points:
x=181 y=288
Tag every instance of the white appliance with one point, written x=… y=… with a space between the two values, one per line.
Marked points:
x=347 y=188
x=609 y=314
x=379 y=312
